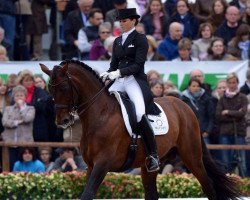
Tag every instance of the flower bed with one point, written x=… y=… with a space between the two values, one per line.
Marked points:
x=70 y=186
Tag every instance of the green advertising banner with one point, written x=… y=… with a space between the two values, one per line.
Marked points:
x=178 y=72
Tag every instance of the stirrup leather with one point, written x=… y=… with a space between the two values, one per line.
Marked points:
x=151 y=158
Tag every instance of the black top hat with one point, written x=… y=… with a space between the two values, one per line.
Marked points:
x=127 y=13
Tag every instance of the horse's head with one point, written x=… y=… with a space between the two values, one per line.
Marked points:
x=60 y=87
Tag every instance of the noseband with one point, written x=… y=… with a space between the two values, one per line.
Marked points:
x=73 y=108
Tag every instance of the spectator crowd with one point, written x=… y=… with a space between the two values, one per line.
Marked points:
x=211 y=30
x=176 y=30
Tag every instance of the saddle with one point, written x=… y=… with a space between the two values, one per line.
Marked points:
x=159 y=124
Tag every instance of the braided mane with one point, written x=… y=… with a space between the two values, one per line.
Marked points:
x=82 y=65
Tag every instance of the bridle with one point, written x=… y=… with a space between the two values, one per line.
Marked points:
x=73 y=107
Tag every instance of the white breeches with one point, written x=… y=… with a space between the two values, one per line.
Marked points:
x=129 y=85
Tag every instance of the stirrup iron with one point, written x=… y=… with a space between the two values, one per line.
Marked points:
x=151 y=158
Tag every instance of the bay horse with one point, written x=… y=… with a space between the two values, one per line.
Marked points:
x=76 y=87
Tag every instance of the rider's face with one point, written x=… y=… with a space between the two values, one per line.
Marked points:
x=127 y=24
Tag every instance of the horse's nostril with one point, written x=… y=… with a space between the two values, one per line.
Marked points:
x=66 y=121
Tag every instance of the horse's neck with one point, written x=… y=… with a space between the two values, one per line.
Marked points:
x=96 y=118
x=99 y=109
x=86 y=85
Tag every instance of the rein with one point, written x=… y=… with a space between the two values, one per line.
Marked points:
x=73 y=107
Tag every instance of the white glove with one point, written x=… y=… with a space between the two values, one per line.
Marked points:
x=104 y=76
x=115 y=74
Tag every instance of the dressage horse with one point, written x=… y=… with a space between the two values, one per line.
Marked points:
x=75 y=87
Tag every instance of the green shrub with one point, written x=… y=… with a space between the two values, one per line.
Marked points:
x=70 y=185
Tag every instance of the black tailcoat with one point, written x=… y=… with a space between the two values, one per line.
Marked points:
x=130 y=58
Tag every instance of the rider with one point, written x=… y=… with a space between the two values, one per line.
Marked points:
x=127 y=69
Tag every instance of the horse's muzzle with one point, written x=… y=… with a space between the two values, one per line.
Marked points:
x=66 y=122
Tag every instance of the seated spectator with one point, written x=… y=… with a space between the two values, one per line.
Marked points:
x=140 y=28
x=142 y=5
x=169 y=46
x=230 y=114
x=133 y=171
x=152 y=75
x=185 y=17
x=200 y=46
x=155 y=20
x=69 y=160
x=202 y=10
x=246 y=18
x=4 y=43
x=170 y=6
x=75 y=20
x=201 y=104
x=217 y=16
x=117 y=30
x=239 y=45
x=28 y=162
x=184 y=50
x=45 y=154
x=228 y=28
x=174 y=166
x=108 y=45
x=156 y=87
x=104 y=5
x=3 y=54
x=152 y=54
x=241 y=5
x=88 y=34
x=97 y=50
x=111 y=15
x=18 y=122
x=217 y=51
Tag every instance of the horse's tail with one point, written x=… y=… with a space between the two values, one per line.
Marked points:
x=224 y=186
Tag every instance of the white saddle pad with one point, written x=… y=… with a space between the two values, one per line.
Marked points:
x=159 y=123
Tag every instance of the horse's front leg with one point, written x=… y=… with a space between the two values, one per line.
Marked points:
x=149 y=184
x=94 y=179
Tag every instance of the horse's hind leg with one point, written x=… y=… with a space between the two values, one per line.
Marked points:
x=193 y=161
x=149 y=184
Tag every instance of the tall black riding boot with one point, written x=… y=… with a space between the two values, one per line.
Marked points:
x=148 y=138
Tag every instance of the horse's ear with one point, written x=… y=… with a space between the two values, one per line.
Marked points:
x=65 y=68
x=45 y=69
